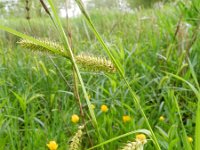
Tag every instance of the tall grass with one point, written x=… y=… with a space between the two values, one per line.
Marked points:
x=37 y=102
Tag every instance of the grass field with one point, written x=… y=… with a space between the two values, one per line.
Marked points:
x=157 y=50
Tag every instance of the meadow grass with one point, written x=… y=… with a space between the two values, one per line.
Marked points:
x=37 y=103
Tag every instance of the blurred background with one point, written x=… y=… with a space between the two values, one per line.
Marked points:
x=18 y=8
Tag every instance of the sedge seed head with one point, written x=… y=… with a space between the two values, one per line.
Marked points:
x=130 y=146
x=76 y=140
x=44 y=45
x=96 y=64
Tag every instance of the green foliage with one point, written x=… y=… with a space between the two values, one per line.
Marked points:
x=36 y=102
x=143 y=3
x=105 y=3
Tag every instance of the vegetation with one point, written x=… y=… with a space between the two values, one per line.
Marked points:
x=107 y=80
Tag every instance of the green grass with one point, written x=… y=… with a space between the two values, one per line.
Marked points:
x=36 y=103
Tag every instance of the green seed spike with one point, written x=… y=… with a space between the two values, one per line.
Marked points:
x=95 y=63
x=53 y=48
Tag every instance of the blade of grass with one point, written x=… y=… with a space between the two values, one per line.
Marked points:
x=193 y=74
x=185 y=138
x=21 y=101
x=135 y=97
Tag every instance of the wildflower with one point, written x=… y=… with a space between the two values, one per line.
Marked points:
x=93 y=106
x=104 y=108
x=190 y=140
x=52 y=145
x=141 y=138
x=75 y=118
x=162 y=118
x=126 y=118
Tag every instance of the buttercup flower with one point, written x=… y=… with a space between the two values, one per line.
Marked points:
x=162 y=118
x=126 y=118
x=75 y=118
x=190 y=140
x=104 y=108
x=141 y=138
x=52 y=145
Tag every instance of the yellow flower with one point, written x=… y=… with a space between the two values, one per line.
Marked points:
x=75 y=118
x=141 y=138
x=104 y=108
x=52 y=145
x=126 y=118
x=190 y=140
x=93 y=106
x=162 y=118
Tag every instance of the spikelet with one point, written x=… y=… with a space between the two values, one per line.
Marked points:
x=133 y=146
x=137 y=145
x=129 y=146
x=76 y=140
x=96 y=64
x=54 y=48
